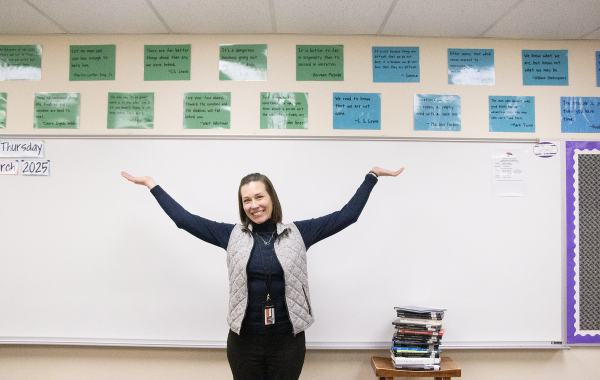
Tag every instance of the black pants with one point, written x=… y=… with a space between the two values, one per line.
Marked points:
x=266 y=357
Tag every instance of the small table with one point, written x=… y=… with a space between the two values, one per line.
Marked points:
x=385 y=370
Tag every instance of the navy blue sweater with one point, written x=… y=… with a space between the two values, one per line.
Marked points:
x=262 y=258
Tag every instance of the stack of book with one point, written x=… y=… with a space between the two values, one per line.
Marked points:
x=416 y=342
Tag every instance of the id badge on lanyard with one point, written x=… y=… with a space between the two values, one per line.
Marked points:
x=269 y=310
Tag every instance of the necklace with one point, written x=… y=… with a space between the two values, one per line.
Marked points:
x=266 y=242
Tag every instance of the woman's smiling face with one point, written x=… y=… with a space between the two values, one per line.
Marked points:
x=257 y=202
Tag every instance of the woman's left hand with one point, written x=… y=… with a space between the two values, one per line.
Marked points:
x=386 y=173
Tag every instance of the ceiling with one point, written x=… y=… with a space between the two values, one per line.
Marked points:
x=521 y=19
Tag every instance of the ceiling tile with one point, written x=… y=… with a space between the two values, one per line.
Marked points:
x=18 y=17
x=216 y=16
x=331 y=17
x=434 y=18
x=106 y=16
x=549 y=19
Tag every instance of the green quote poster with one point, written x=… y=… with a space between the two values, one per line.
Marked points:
x=54 y=110
x=283 y=110
x=243 y=62
x=206 y=110
x=130 y=110
x=20 y=62
x=92 y=62
x=167 y=62
x=2 y=110
x=319 y=62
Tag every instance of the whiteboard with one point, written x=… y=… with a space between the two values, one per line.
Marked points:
x=88 y=258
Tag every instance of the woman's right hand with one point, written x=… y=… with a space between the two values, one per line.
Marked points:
x=146 y=181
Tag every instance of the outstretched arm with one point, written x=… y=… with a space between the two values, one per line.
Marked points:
x=315 y=230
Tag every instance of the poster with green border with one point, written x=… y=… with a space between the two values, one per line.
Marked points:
x=3 y=97
x=20 y=62
x=167 y=62
x=92 y=62
x=206 y=110
x=56 y=110
x=284 y=110
x=243 y=62
x=319 y=62
x=130 y=110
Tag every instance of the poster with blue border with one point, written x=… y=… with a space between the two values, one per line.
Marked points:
x=356 y=110
x=437 y=112
x=579 y=114
x=545 y=67
x=471 y=66
x=598 y=69
x=396 y=64
x=512 y=113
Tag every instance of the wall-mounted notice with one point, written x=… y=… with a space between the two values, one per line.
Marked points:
x=92 y=62
x=35 y=167
x=320 y=62
x=284 y=110
x=512 y=113
x=509 y=172
x=206 y=110
x=437 y=112
x=396 y=64
x=167 y=62
x=356 y=110
x=22 y=148
x=10 y=167
x=243 y=62
x=598 y=69
x=20 y=62
x=55 y=110
x=580 y=114
x=545 y=67
x=471 y=66
x=3 y=98
x=130 y=110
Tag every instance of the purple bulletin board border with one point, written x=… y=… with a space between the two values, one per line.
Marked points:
x=570 y=147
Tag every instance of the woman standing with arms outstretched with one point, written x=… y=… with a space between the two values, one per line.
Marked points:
x=269 y=299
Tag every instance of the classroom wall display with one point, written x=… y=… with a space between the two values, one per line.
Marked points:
x=3 y=97
x=56 y=110
x=243 y=62
x=206 y=110
x=9 y=167
x=356 y=110
x=545 y=67
x=167 y=62
x=20 y=62
x=35 y=167
x=283 y=110
x=512 y=113
x=130 y=110
x=22 y=148
x=598 y=69
x=319 y=62
x=437 y=112
x=92 y=62
x=398 y=64
x=580 y=114
x=583 y=208
x=471 y=66
x=107 y=266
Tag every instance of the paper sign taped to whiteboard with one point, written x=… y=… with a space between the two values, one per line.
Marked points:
x=10 y=167
x=22 y=148
x=509 y=172
x=35 y=167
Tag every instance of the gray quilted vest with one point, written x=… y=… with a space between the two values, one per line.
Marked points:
x=291 y=252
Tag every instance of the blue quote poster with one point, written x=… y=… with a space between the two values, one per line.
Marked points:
x=437 y=112
x=471 y=66
x=512 y=113
x=545 y=67
x=580 y=114
x=598 y=69
x=356 y=110
x=396 y=64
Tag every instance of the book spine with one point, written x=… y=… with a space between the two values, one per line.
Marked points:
x=403 y=361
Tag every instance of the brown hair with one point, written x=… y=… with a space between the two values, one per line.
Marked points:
x=277 y=214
